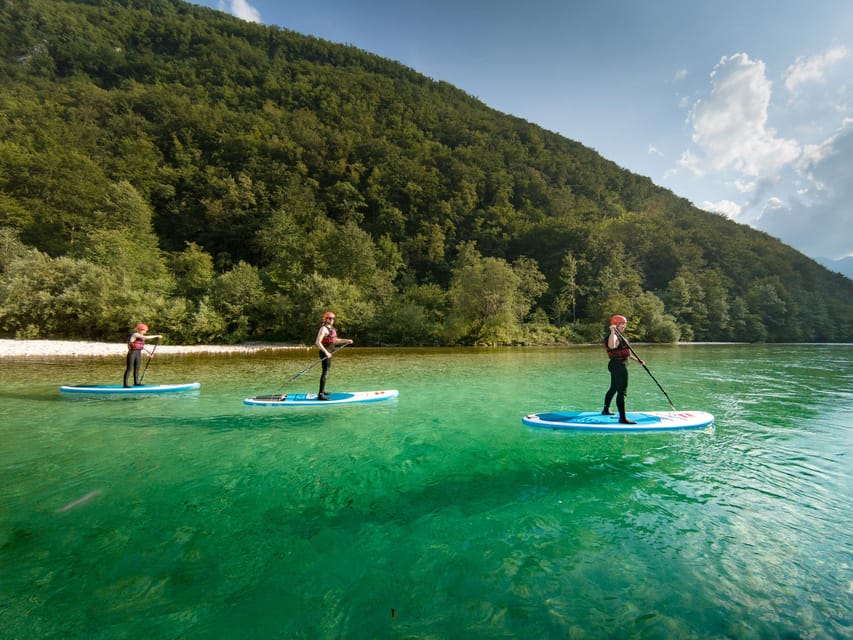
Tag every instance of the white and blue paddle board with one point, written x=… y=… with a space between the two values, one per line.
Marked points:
x=310 y=399
x=117 y=389
x=645 y=421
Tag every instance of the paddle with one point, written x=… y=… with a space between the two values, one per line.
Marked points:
x=647 y=369
x=150 y=356
x=305 y=370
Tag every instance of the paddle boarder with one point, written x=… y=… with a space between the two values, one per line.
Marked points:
x=135 y=347
x=327 y=341
x=618 y=352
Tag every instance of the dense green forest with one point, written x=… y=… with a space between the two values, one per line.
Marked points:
x=225 y=181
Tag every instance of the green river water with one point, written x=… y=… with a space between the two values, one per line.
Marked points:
x=437 y=514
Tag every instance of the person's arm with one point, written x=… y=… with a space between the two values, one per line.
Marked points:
x=613 y=338
x=319 y=341
x=343 y=341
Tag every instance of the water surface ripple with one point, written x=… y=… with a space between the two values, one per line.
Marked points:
x=434 y=515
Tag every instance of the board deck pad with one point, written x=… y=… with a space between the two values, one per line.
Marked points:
x=595 y=421
x=310 y=399
x=117 y=389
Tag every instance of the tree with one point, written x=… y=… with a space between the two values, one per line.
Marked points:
x=192 y=269
x=567 y=295
x=767 y=308
x=317 y=293
x=345 y=252
x=486 y=299
x=531 y=285
x=651 y=323
x=717 y=316
x=415 y=318
x=11 y=248
x=617 y=285
x=237 y=295
x=42 y=296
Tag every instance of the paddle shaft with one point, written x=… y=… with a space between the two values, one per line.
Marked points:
x=646 y=368
x=150 y=357
x=307 y=369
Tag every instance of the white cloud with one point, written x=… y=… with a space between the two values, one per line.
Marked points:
x=726 y=207
x=680 y=75
x=745 y=186
x=813 y=69
x=819 y=220
x=654 y=151
x=796 y=185
x=690 y=161
x=241 y=9
x=730 y=126
x=812 y=154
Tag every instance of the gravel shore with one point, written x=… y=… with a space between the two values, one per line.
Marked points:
x=41 y=348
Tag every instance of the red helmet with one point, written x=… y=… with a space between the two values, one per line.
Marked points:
x=617 y=319
x=327 y=315
x=142 y=327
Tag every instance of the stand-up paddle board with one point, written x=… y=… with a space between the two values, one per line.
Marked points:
x=595 y=421
x=310 y=399
x=117 y=389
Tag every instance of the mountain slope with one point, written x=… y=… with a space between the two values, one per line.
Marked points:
x=262 y=175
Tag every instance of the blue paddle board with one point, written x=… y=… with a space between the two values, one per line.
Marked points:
x=117 y=389
x=645 y=421
x=310 y=399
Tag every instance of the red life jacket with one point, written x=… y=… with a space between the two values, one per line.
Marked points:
x=330 y=338
x=622 y=351
x=138 y=344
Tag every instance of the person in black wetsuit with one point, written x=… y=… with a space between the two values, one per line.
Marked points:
x=619 y=352
x=327 y=340
x=135 y=347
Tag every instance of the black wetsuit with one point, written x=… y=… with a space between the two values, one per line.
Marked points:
x=326 y=362
x=618 y=367
x=134 y=360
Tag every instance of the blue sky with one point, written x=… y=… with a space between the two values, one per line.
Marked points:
x=743 y=107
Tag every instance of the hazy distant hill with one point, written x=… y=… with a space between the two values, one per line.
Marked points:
x=229 y=180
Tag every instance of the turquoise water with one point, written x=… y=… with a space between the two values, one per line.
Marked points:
x=436 y=514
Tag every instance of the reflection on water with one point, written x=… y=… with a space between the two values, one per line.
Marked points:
x=196 y=516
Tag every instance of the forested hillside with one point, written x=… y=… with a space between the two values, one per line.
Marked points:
x=225 y=181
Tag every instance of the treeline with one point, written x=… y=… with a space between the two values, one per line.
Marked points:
x=226 y=181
